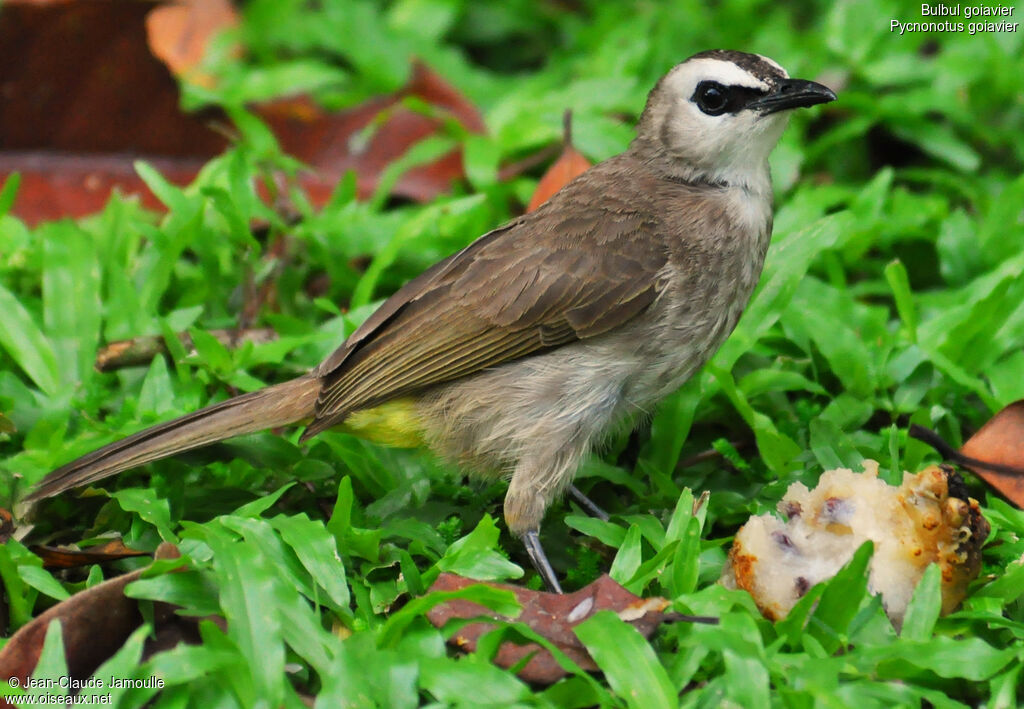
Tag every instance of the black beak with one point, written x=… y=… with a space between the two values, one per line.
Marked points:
x=792 y=93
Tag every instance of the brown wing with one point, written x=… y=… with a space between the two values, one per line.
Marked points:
x=580 y=266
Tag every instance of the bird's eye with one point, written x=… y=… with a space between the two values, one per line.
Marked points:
x=711 y=97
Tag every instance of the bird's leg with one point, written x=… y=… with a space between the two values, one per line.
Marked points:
x=538 y=478
x=524 y=509
x=531 y=540
x=588 y=505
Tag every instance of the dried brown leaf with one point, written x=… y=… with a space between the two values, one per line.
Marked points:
x=75 y=120
x=102 y=92
x=63 y=558
x=552 y=616
x=569 y=165
x=56 y=185
x=996 y=452
x=326 y=141
x=94 y=623
x=180 y=32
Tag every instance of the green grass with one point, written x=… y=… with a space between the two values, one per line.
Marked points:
x=892 y=295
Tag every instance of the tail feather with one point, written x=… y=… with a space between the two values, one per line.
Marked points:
x=278 y=405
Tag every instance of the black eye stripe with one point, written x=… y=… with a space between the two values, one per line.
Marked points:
x=715 y=99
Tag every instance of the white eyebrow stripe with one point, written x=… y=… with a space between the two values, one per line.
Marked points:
x=725 y=73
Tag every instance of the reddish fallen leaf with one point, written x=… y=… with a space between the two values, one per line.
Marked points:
x=56 y=185
x=94 y=623
x=997 y=452
x=552 y=616
x=570 y=164
x=103 y=92
x=180 y=32
x=327 y=141
x=75 y=120
x=61 y=558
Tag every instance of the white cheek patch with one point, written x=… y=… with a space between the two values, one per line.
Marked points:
x=729 y=147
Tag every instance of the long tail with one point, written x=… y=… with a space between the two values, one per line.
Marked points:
x=278 y=405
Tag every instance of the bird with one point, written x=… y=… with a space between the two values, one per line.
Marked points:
x=518 y=355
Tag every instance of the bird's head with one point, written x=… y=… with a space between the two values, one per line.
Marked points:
x=717 y=115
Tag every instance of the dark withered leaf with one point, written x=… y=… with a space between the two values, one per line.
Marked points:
x=551 y=615
x=1000 y=444
x=63 y=558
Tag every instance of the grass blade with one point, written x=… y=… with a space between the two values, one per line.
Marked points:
x=628 y=661
x=26 y=345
